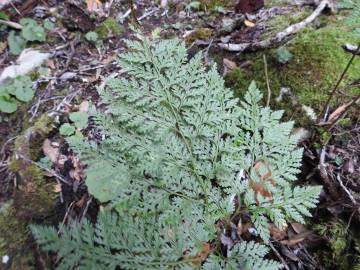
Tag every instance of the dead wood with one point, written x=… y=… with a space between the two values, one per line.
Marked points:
x=281 y=36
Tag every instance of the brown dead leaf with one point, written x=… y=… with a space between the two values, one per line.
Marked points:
x=84 y=106
x=263 y=170
x=95 y=6
x=296 y=239
x=228 y=65
x=51 y=64
x=78 y=172
x=57 y=188
x=202 y=255
x=249 y=23
x=298 y=228
x=335 y=114
x=50 y=151
x=349 y=166
x=239 y=228
x=110 y=58
x=3 y=46
x=277 y=233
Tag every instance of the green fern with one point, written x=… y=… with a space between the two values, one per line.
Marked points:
x=175 y=146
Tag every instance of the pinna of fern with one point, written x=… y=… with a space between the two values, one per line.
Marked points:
x=179 y=161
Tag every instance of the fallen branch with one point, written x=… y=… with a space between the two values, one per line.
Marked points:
x=281 y=36
x=345 y=189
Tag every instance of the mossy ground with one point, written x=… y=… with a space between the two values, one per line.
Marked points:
x=316 y=66
x=33 y=199
x=109 y=28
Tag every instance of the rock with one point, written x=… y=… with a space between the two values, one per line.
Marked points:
x=248 y=6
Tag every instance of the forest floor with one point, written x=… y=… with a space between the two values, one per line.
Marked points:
x=69 y=47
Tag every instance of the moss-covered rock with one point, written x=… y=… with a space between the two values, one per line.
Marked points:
x=33 y=199
x=109 y=28
x=14 y=236
x=316 y=66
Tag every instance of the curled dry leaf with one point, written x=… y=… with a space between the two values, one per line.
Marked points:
x=57 y=188
x=337 y=113
x=50 y=151
x=296 y=239
x=78 y=172
x=276 y=233
x=202 y=255
x=298 y=228
x=259 y=187
x=84 y=106
x=95 y=6
x=228 y=65
x=249 y=23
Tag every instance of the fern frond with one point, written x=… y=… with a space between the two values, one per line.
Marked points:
x=178 y=157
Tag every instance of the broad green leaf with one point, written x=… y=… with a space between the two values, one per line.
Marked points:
x=91 y=36
x=7 y=105
x=49 y=25
x=32 y=31
x=67 y=129
x=16 y=43
x=21 y=88
x=80 y=119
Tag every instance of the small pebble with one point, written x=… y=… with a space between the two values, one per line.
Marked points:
x=5 y=259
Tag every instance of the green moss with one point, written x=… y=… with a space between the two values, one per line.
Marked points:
x=334 y=255
x=14 y=239
x=280 y=22
x=200 y=33
x=210 y=4
x=109 y=28
x=34 y=198
x=317 y=64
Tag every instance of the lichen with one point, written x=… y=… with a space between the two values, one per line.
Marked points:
x=109 y=28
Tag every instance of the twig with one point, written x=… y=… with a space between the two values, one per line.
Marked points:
x=67 y=212
x=345 y=189
x=348 y=106
x=147 y=14
x=45 y=169
x=280 y=37
x=17 y=11
x=86 y=208
x=340 y=80
x=267 y=81
x=123 y=17
x=12 y=24
x=279 y=256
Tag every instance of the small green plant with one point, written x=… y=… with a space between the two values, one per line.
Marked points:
x=179 y=163
x=193 y=5
x=31 y=31
x=92 y=37
x=67 y=129
x=283 y=55
x=79 y=120
x=108 y=28
x=14 y=91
